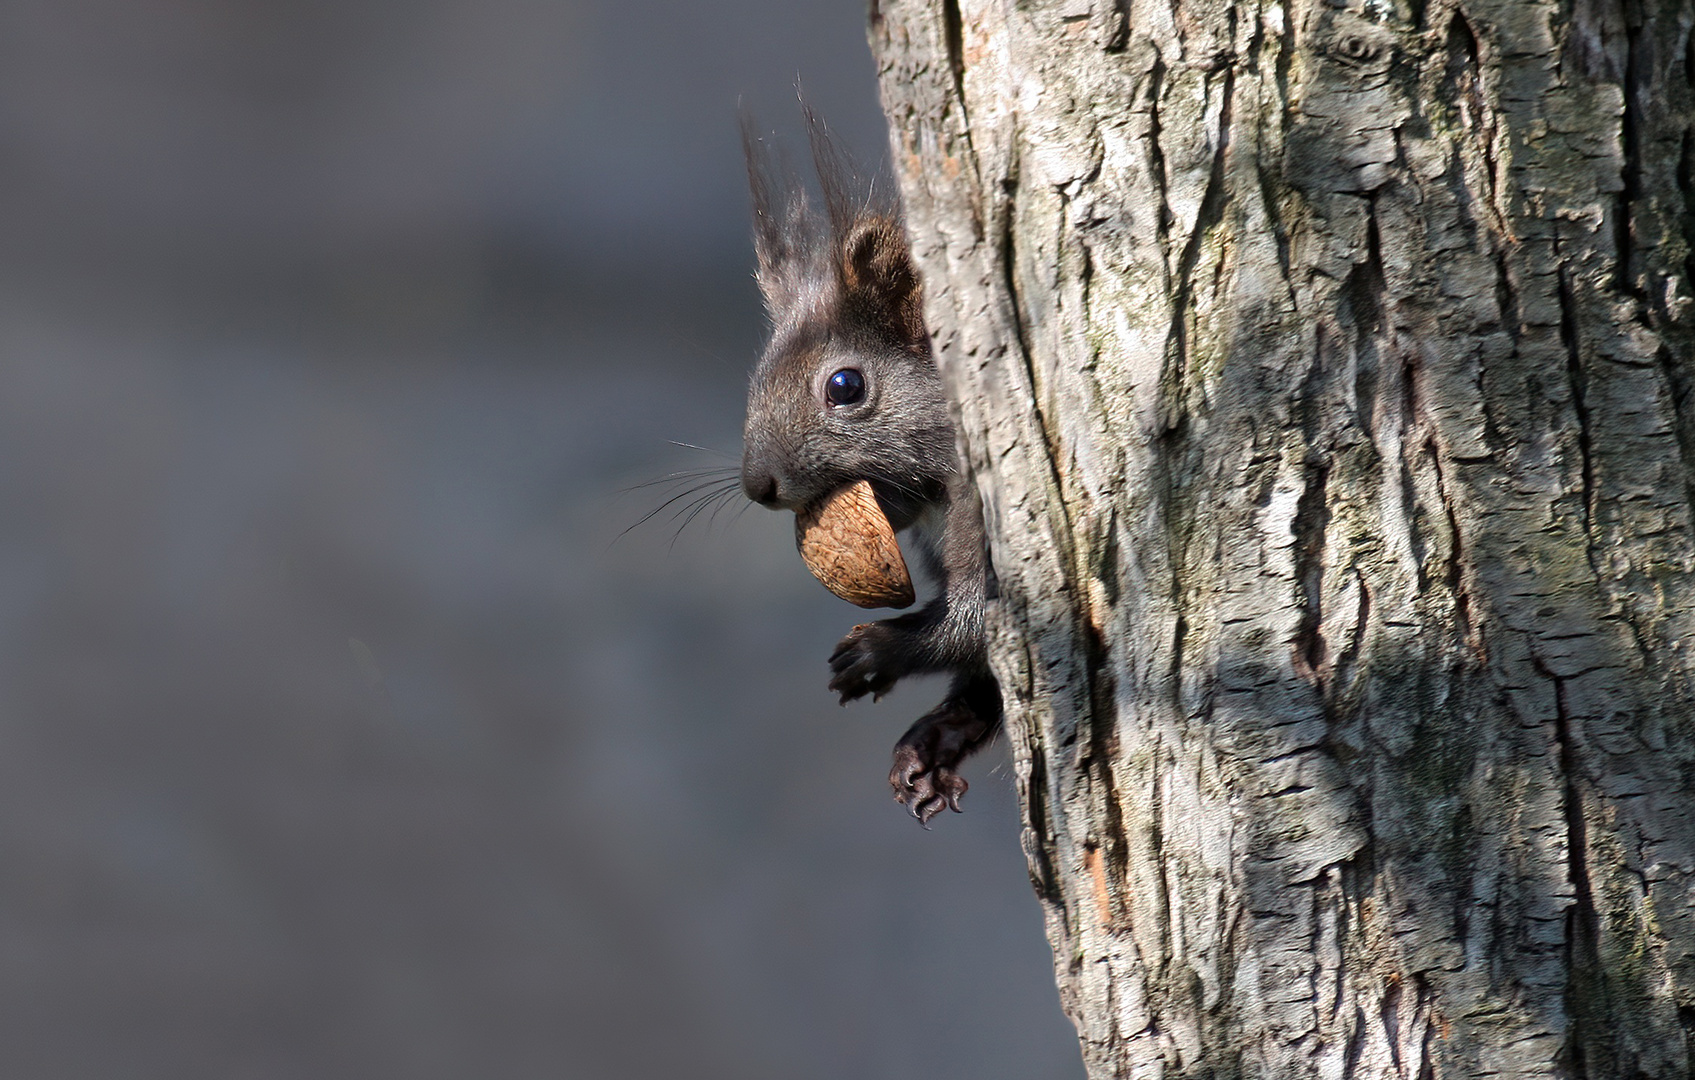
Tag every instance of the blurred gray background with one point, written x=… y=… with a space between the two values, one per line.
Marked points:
x=341 y=732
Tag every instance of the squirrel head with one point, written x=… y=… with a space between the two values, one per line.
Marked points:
x=846 y=389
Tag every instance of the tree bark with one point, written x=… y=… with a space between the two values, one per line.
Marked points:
x=1325 y=373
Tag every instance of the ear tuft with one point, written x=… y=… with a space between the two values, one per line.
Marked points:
x=786 y=232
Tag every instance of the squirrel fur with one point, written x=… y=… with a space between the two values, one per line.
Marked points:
x=847 y=390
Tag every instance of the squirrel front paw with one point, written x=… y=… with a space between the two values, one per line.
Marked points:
x=867 y=661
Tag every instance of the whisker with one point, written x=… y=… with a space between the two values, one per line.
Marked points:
x=713 y=520
x=692 y=446
x=719 y=503
x=899 y=487
x=700 y=500
x=744 y=507
x=694 y=511
x=720 y=482
x=678 y=477
x=902 y=488
x=724 y=484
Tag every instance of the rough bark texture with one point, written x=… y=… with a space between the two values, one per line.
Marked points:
x=1325 y=373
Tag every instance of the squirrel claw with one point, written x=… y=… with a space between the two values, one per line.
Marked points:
x=925 y=777
x=925 y=789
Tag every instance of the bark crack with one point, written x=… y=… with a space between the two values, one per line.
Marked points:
x=1118 y=32
x=1026 y=353
x=1174 y=411
x=953 y=37
x=1156 y=159
x=1038 y=843
x=1279 y=231
x=1102 y=741
x=1211 y=212
x=1506 y=299
x=1630 y=137
x=1267 y=186
x=1586 y=985
x=1312 y=518
x=1285 y=63
x=1464 y=87
x=1677 y=394
x=1579 y=382
x=1350 y=655
x=1685 y=175
x=1454 y=564
x=1389 y=1015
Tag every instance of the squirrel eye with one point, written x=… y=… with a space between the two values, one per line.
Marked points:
x=845 y=387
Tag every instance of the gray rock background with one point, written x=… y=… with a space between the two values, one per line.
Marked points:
x=341 y=732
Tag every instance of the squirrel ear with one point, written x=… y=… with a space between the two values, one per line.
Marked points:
x=876 y=269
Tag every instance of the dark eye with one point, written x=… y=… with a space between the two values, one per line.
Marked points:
x=845 y=387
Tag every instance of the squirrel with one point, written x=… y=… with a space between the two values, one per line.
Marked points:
x=847 y=390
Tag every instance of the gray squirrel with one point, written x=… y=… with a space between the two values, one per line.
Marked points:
x=847 y=390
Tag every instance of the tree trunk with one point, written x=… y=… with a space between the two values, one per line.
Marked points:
x=1325 y=375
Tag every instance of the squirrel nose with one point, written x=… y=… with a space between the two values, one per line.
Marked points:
x=760 y=487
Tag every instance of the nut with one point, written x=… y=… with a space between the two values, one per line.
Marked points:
x=849 y=545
